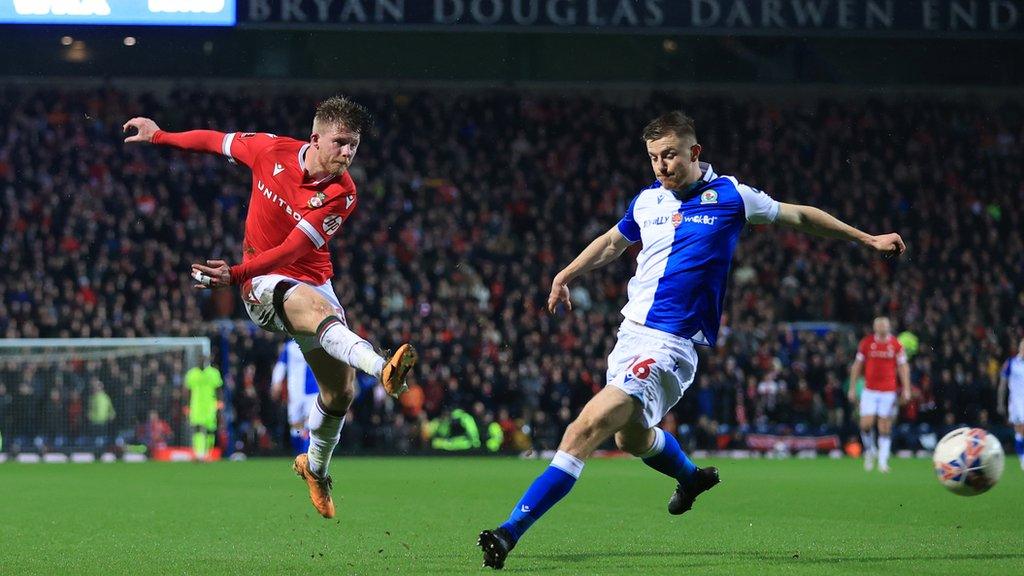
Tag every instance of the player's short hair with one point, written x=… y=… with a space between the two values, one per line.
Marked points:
x=340 y=110
x=674 y=122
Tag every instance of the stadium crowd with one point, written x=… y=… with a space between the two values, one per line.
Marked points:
x=470 y=203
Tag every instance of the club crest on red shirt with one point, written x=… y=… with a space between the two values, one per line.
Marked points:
x=317 y=200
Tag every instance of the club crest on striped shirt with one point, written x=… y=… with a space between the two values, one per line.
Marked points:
x=677 y=219
x=317 y=200
x=709 y=197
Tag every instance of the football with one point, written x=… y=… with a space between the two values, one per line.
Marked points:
x=968 y=461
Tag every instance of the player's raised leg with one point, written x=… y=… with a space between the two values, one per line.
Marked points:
x=605 y=414
x=308 y=312
x=326 y=419
x=661 y=451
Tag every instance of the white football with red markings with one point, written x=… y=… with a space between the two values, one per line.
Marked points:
x=968 y=461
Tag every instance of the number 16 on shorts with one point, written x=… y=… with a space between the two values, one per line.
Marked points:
x=640 y=369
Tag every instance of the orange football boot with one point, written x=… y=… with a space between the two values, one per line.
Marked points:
x=319 y=488
x=392 y=377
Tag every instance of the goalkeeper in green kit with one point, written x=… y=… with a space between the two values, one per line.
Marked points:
x=203 y=383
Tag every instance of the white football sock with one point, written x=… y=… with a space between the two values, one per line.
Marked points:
x=568 y=463
x=345 y=345
x=657 y=446
x=324 y=433
x=884 y=445
x=868 y=438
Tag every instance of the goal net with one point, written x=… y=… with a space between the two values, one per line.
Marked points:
x=95 y=395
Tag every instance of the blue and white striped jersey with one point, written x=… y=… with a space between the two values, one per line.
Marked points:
x=291 y=365
x=1013 y=371
x=688 y=243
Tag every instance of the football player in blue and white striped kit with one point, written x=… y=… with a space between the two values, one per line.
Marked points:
x=688 y=222
x=1011 y=393
x=292 y=370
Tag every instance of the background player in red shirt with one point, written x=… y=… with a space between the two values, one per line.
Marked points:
x=882 y=358
x=301 y=195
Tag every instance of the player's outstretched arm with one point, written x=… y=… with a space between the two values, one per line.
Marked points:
x=820 y=223
x=144 y=128
x=147 y=130
x=603 y=250
x=219 y=274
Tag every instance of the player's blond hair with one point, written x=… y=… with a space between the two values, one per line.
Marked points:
x=339 y=110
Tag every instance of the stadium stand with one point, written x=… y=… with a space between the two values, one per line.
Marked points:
x=469 y=203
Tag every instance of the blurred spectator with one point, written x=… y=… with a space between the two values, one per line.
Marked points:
x=155 y=432
x=53 y=420
x=454 y=430
x=101 y=412
x=802 y=402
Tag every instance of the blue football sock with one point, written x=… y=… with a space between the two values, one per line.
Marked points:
x=550 y=487
x=667 y=457
x=1018 y=444
x=300 y=441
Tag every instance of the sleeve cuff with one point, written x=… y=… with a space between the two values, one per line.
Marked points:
x=237 y=275
x=311 y=232
x=225 y=146
x=632 y=235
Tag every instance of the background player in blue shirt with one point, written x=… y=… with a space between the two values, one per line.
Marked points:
x=689 y=222
x=292 y=377
x=1011 y=395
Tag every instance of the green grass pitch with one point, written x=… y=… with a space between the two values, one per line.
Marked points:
x=422 y=515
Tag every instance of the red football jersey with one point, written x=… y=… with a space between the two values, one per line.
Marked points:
x=880 y=358
x=284 y=197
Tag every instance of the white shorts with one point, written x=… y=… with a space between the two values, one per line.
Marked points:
x=1016 y=411
x=652 y=366
x=875 y=403
x=258 y=296
x=299 y=407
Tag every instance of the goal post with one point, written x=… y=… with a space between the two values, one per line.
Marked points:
x=95 y=394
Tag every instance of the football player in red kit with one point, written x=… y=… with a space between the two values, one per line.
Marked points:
x=882 y=359
x=302 y=194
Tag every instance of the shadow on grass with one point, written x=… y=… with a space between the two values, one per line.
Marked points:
x=613 y=559
x=776 y=557
x=893 y=557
